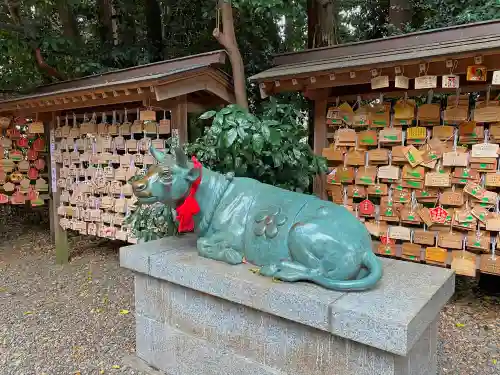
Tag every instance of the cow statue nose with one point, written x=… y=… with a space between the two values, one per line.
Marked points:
x=139 y=186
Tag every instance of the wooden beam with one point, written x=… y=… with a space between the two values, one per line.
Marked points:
x=180 y=88
x=190 y=85
x=90 y=103
x=180 y=119
x=365 y=92
x=171 y=105
x=320 y=142
x=221 y=91
x=60 y=236
x=363 y=74
x=204 y=60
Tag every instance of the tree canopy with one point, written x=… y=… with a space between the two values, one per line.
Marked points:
x=42 y=41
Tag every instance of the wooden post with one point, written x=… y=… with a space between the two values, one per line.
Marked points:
x=47 y=126
x=320 y=106
x=180 y=119
x=60 y=237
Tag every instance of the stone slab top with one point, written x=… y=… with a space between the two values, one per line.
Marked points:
x=391 y=317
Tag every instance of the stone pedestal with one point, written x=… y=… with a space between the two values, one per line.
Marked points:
x=197 y=316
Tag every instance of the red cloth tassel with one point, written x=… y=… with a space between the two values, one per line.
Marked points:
x=190 y=207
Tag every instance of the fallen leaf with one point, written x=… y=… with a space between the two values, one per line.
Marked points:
x=3 y=290
x=101 y=372
x=460 y=325
x=28 y=313
x=494 y=361
x=115 y=367
x=254 y=270
x=275 y=280
x=124 y=312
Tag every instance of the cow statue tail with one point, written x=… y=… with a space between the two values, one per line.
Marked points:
x=370 y=262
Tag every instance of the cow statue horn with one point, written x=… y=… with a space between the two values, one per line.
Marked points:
x=180 y=157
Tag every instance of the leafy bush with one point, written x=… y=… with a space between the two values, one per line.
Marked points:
x=272 y=149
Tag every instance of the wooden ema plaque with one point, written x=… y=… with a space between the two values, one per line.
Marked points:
x=390 y=136
x=492 y=180
x=436 y=255
x=332 y=154
x=413 y=174
x=416 y=133
x=411 y=251
x=454 y=158
x=398 y=155
x=450 y=240
x=388 y=249
x=478 y=241
x=355 y=191
x=346 y=137
x=355 y=158
x=366 y=176
x=437 y=179
x=423 y=237
x=368 y=138
x=443 y=133
x=400 y=233
x=464 y=263
x=430 y=113
x=378 y=189
x=455 y=115
x=376 y=229
x=487 y=114
x=490 y=264
x=452 y=198
x=378 y=156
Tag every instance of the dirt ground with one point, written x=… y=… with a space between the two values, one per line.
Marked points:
x=78 y=319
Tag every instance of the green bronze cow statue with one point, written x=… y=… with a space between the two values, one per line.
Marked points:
x=288 y=235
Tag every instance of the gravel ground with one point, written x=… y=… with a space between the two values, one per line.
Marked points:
x=78 y=319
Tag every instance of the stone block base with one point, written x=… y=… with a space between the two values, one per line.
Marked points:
x=185 y=332
x=196 y=316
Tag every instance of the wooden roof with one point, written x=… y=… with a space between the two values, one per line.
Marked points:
x=351 y=64
x=196 y=76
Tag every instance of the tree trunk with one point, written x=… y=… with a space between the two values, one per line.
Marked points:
x=126 y=14
x=227 y=39
x=105 y=11
x=400 y=13
x=321 y=32
x=154 y=28
x=321 y=23
x=68 y=20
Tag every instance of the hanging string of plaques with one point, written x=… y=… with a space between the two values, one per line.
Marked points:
x=97 y=156
x=422 y=173
x=22 y=164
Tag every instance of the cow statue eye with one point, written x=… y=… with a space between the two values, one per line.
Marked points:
x=166 y=175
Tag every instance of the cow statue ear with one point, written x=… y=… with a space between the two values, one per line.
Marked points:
x=180 y=157
x=193 y=174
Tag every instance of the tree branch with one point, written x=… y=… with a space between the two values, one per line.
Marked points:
x=46 y=67
x=20 y=27
x=227 y=39
x=10 y=27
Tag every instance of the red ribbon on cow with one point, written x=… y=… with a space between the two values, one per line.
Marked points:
x=190 y=207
